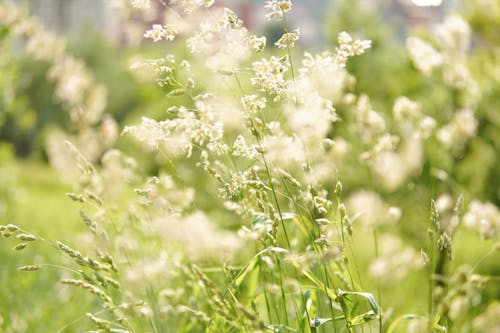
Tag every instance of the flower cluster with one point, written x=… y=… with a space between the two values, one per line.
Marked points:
x=278 y=9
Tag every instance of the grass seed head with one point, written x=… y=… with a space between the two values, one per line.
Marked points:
x=29 y=268
x=19 y=247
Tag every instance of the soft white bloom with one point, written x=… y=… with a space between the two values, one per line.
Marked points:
x=74 y=90
x=426 y=126
x=484 y=217
x=95 y=103
x=361 y=45
x=45 y=45
x=459 y=130
x=277 y=9
x=393 y=167
x=371 y=209
x=423 y=55
x=395 y=260
x=347 y=48
x=328 y=78
x=108 y=131
x=257 y=43
x=149 y=132
x=222 y=42
x=241 y=149
x=141 y=4
x=191 y=5
x=253 y=104
x=369 y=122
x=444 y=203
x=232 y=49
x=489 y=320
x=311 y=116
x=178 y=135
x=159 y=32
x=230 y=20
x=454 y=33
x=457 y=75
x=269 y=75
x=198 y=236
x=288 y=39
x=286 y=152
x=406 y=109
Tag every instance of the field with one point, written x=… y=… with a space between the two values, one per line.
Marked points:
x=205 y=175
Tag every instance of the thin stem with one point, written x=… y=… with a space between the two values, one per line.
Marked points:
x=379 y=294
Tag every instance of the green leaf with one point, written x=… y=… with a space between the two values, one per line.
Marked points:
x=238 y=280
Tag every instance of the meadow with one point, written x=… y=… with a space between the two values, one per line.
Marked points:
x=204 y=177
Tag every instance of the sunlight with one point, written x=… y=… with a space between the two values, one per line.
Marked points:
x=427 y=3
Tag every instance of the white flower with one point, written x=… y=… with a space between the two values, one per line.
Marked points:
x=141 y=4
x=404 y=108
x=277 y=8
x=257 y=43
x=269 y=75
x=423 y=55
x=461 y=128
x=288 y=39
x=484 y=217
x=159 y=32
x=454 y=33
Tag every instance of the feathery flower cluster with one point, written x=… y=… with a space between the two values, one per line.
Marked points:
x=484 y=217
x=348 y=48
x=159 y=32
x=269 y=75
x=288 y=39
x=454 y=34
x=423 y=55
x=278 y=9
x=395 y=261
x=178 y=135
x=371 y=210
x=459 y=130
x=141 y=4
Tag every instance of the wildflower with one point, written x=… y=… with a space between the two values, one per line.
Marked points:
x=404 y=108
x=327 y=77
x=489 y=320
x=45 y=45
x=253 y=104
x=257 y=43
x=277 y=8
x=454 y=33
x=198 y=235
x=269 y=75
x=371 y=209
x=423 y=55
x=370 y=122
x=240 y=148
x=360 y=46
x=484 y=217
x=347 y=48
x=159 y=32
x=459 y=130
x=395 y=260
x=288 y=39
x=457 y=75
x=141 y=4
x=312 y=116
x=149 y=132
x=230 y=19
